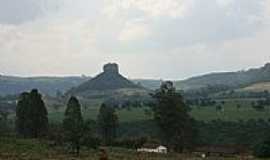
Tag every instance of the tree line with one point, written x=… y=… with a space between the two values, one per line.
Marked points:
x=32 y=120
x=169 y=110
x=175 y=128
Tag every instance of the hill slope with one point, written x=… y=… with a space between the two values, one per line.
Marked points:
x=10 y=85
x=231 y=79
x=148 y=83
x=257 y=87
x=106 y=83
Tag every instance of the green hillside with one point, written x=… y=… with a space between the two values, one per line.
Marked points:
x=230 y=79
x=229 y=111
x=10 y=85
x=148 y=83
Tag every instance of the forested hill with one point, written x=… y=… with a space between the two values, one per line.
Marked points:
x=230 y=79
x=10 y=85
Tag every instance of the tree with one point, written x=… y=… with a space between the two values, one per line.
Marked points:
x=22 y=111
x=171 y=115
x=238 y=106
x=3 y=122
x=90 y=138
x=31 y=115
x=73 y=124
x=107 y=121
x=223 y=102
x=219 y=108
x=258 y=105
x=266 y=94
x=262 y=150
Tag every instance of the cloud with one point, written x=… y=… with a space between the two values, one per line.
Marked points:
x=134 y=31
x=38 y=48
x=23 y=11
x=150 y=8
x=195 y=21
x=149 y=38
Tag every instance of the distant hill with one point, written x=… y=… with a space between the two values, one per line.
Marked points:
x=148 y=83
x=107 y=83
x=231 y=79
x=10 y=85
x=111 y=80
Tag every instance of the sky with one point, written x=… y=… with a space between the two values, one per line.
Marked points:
x=161 y=39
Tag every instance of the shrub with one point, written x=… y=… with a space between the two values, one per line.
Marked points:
x=262 y=150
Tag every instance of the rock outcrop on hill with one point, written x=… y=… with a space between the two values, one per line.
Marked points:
x=110 y=80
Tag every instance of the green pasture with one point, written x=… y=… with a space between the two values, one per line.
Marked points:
x=229 y=112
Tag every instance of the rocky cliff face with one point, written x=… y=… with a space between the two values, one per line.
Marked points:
x=111 y=68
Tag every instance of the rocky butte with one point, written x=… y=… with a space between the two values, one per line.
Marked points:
x=108 y=82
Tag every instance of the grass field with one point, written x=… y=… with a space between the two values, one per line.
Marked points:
x=257 y=87
x=135 y=114
x=207 y=113
x=32 y=149
x=230 y=111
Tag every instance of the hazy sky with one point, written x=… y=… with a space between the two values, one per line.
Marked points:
x=171 y=39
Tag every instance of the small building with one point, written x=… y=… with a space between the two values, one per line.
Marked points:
x=153 y=148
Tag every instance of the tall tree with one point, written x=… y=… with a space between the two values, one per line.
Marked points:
x=171 y=115
x=107 y=121
x=73 y=124
x=31 y=115
x=3 y=122
x=22 y=111
x=39 y=113
x=90 y=137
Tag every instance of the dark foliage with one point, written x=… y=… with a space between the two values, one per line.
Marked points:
x=137 y=129
x=4 y=128
x=73 y=124
x=31 y=115
x=131 y=143
x=90 y=137
x=245 y=133
x=107 y=121
x=56 y=135
x=171 y=115
x=262 y=150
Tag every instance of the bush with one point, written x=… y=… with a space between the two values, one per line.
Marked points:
x=262 y=150
x=131 y=143
x=90 y=141
x=56 y=135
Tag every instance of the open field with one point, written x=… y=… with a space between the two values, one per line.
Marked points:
x=257 y=87
x=32 y=149
x=230 y=112
x=135 y=114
